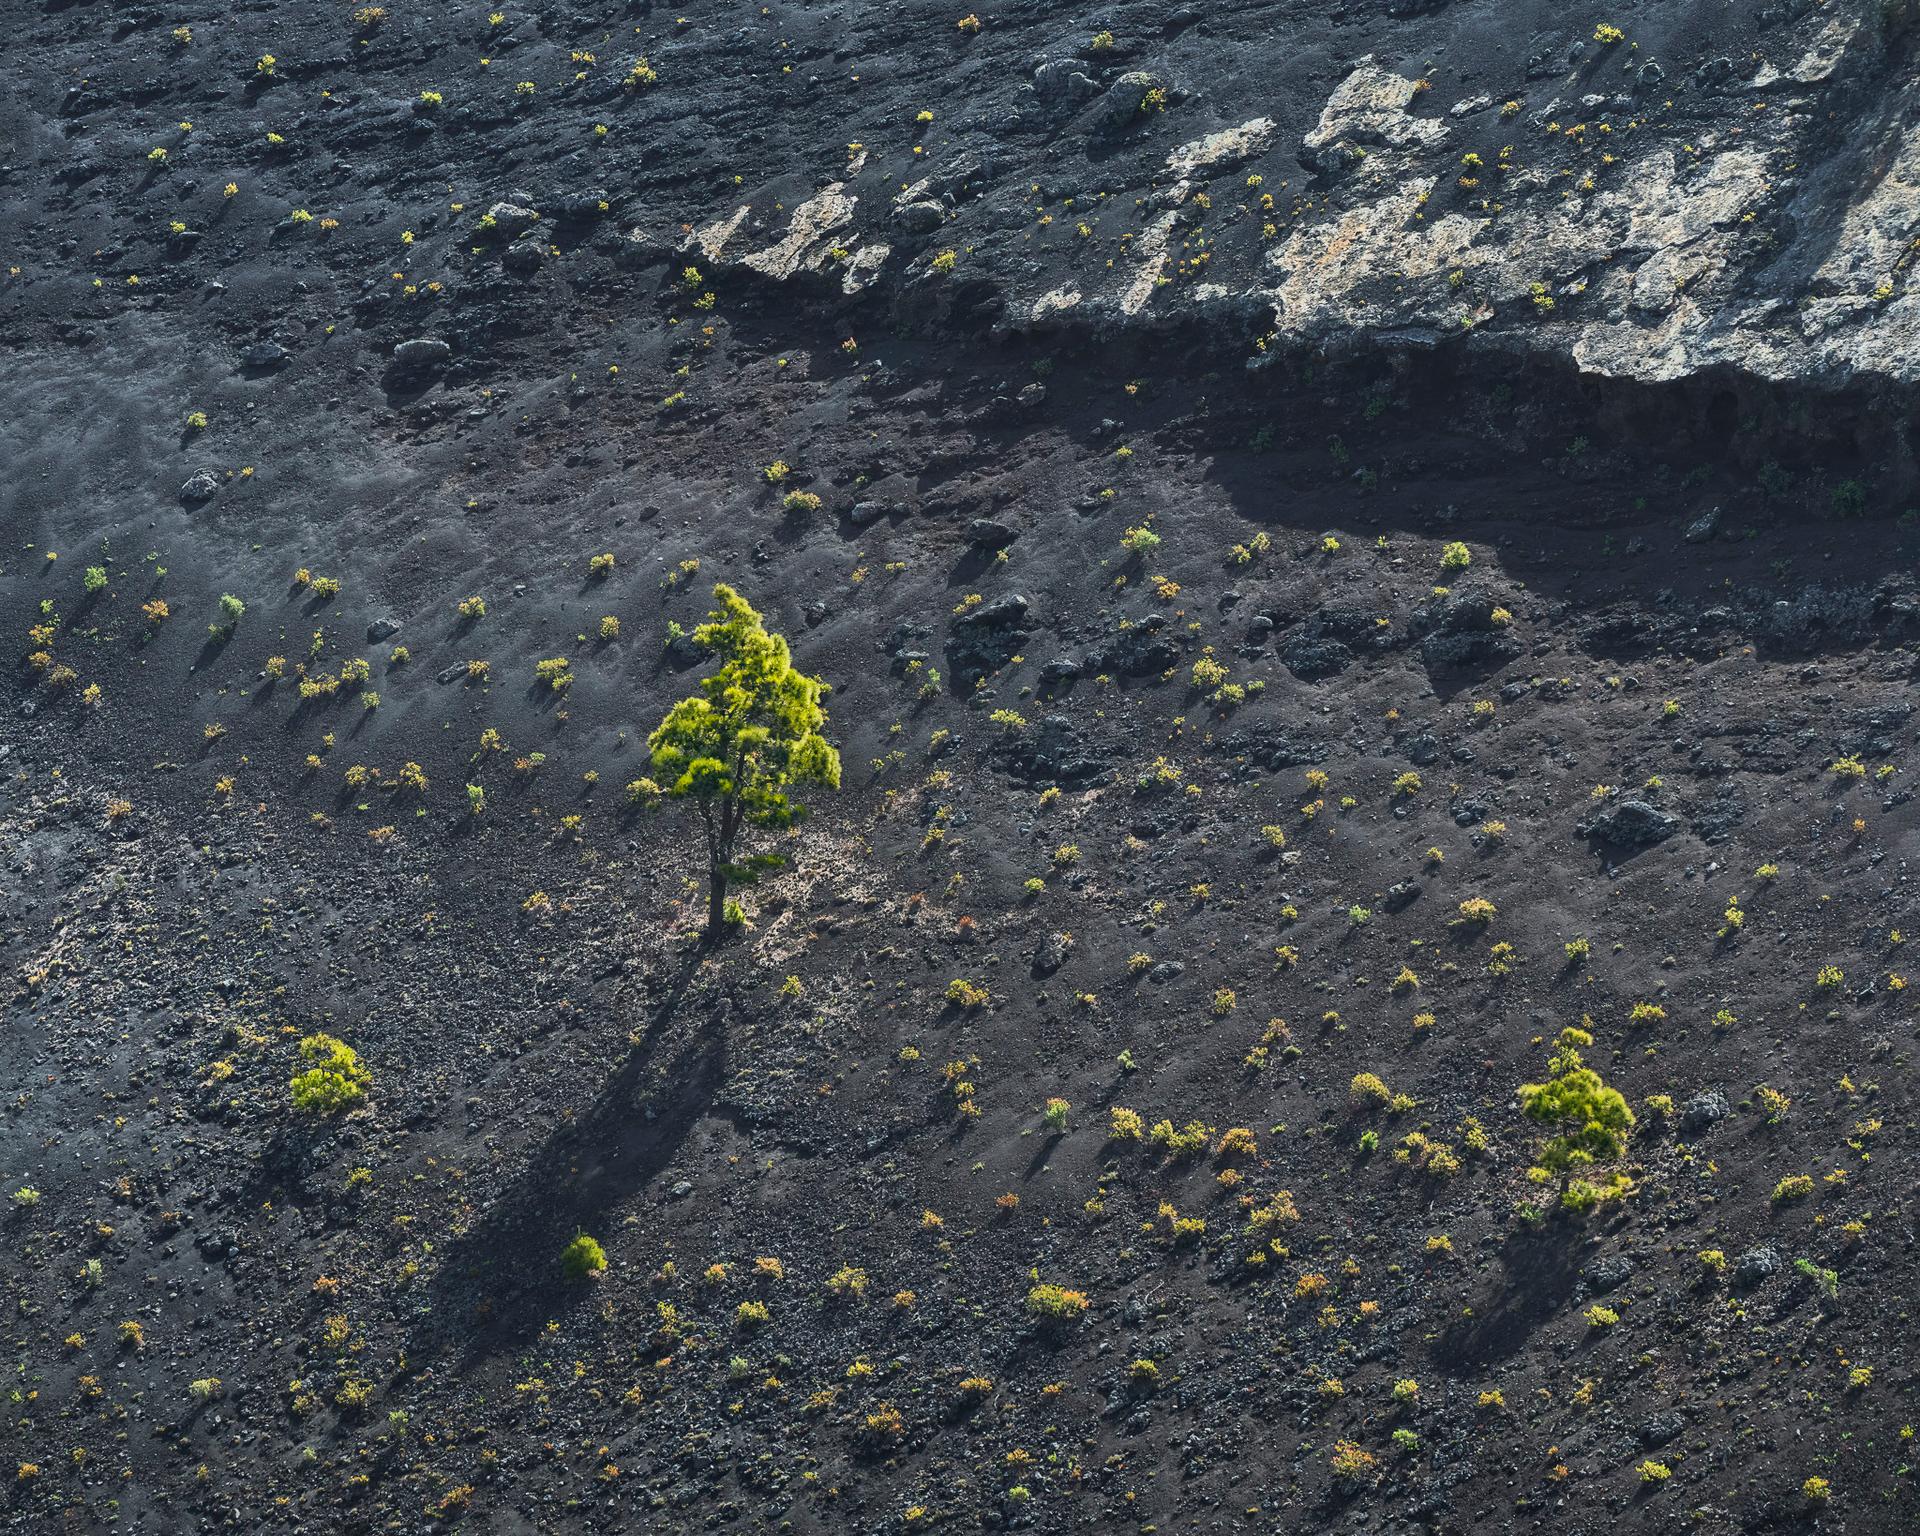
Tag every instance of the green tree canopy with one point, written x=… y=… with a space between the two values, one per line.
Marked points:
x=736 y=748
x=1591 y=1120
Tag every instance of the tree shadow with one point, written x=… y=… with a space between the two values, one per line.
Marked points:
x=1540 y=1271
x=210 y=649
x=973 y=563
x=1049 y=1144
x=501 y=1280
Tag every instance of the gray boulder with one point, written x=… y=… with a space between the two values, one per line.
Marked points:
x=921 y=218
x=422 y=352
x=1120 y=105
x=1631 y=824
x=512 y=219
x=1064 y=83
x=1705 y=1109
x=1755 y=1266
x=523 y=256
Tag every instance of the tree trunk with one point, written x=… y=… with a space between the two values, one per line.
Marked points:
x=716 y=904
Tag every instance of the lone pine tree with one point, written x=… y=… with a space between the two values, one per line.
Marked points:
x=736 y=748
x=1590 y=1119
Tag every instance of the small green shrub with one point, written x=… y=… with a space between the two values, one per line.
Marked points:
x=334 y=1080
x=1055 y=1304
x=582 y=1259
x=1367 y=1091
x=965 y=995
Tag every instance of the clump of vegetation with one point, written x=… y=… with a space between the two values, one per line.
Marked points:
x=1795 y=1186
x=1056 y=1304
x=334 y=1080
x=1353 y=1465
x=1367 y=1091
x=964 y=995
x=583 y=1259
x=1181 y=1142
x=847 y=1283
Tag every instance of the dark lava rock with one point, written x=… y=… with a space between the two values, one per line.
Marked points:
x=1460 y=630
x=382 y=629
x=1051 y=752
x=511 y=219
x=1717 y=822
x=1630 y=824
x=1401 y=895
x=1064 y=83
x=988 y=534
x=1165 y=971
x=1344 y=623
x=1661 y=1429
x=1706 y=1108
x=902 y=640
x=921 y=218
x=1608 y=1274
x=864 y=512
x=1121 y=105
x=523 y=256
x=215 y=1246
x=1755 y=1266
x=1274 y=749
x=422 y=352
x=583 y=207
x=1703 y=527
x=264 y=356
x=1307 y=658
x=201 y=485
x=1052 y=953
x=1140 y=651
x=986 y=639
x=1010 y=609
x=1054 y=673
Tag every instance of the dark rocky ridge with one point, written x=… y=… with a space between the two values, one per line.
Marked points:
x=1686 y=480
